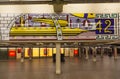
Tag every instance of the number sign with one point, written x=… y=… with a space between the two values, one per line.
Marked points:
x=104 y=26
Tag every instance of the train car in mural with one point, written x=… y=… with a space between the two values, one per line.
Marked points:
x=43 y=25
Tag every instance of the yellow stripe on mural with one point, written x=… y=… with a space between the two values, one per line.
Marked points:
x=82 y=15
x=44 y=31
x=91 y=15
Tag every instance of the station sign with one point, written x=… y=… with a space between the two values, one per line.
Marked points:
x=107 y=26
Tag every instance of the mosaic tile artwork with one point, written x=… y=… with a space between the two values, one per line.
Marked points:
x=73 y=26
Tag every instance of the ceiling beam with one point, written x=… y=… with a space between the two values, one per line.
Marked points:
x=57 y=1
x=54 y=41
x=24 y=2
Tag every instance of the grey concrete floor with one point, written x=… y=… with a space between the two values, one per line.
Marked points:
x=73 y=68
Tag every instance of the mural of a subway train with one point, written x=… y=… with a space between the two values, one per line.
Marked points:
x=43 y=25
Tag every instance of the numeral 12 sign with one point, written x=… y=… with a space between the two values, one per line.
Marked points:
x=104 y=26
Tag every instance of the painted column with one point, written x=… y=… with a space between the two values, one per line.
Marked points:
x=86 y=52
x=102 y=51
x=58 y=57
x=22 y=54
x=80 y=54
x=18 y=53
x=30 y=52
x=94 y=54
x=115 y=52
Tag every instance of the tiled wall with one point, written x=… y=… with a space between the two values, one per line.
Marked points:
x=5 y=24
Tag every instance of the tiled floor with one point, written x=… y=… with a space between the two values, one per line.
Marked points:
x=73 y=68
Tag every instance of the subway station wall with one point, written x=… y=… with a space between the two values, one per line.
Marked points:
x=67 y=8
x=94 y=8
x=78 y=22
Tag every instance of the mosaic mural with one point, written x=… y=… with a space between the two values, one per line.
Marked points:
x=68 y=26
